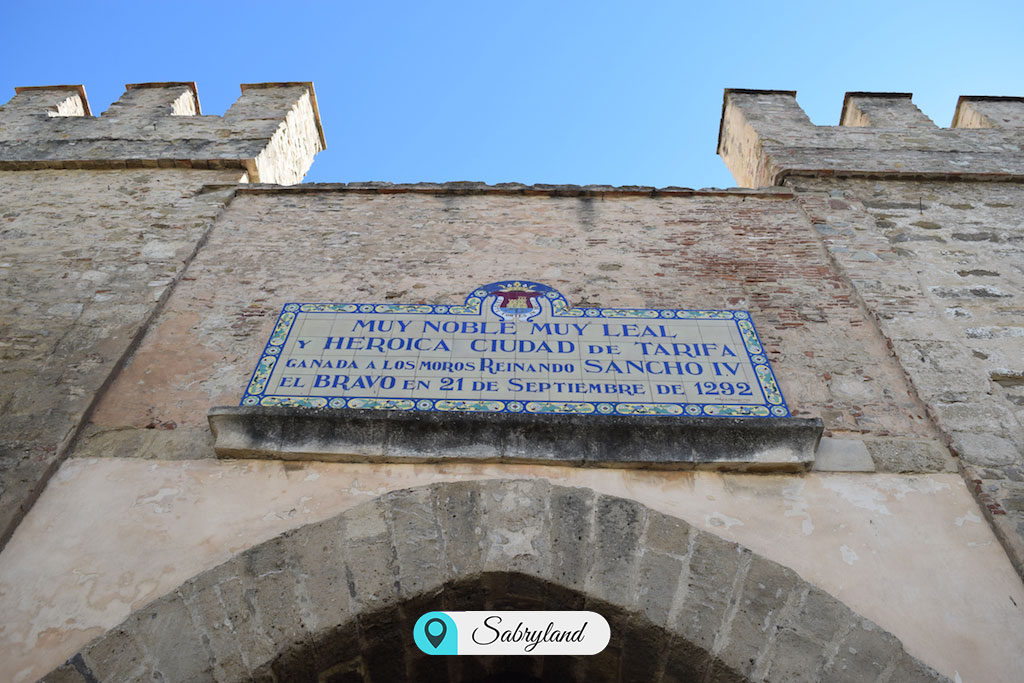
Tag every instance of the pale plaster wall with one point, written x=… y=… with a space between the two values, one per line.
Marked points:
x=908 y=552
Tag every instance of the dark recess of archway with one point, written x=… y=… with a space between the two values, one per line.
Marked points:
x=373 y=647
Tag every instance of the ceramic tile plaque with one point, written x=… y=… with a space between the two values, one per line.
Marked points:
x=516 y=346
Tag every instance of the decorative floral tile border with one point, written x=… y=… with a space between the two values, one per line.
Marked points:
x=774 y=404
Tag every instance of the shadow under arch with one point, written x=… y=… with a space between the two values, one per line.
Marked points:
x=375 y=647
x=336 y=600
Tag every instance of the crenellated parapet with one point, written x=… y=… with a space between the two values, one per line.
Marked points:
x=766 y=137
x=272 y=131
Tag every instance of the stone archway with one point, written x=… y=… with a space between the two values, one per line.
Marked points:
x=336 y=600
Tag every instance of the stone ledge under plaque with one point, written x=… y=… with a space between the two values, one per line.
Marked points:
x=651 y=442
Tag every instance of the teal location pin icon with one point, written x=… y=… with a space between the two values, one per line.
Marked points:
x=435 y=630
x=435 y=634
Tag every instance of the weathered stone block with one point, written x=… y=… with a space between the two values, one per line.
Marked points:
x=941 y=371
x=817 y=616
x=669 y=535
x=618 y=524
x=716 y=570
x=795 y=658
x=271 y=590
x=842 y=455
x=988 y=417
x=767 y=593
x=986 y=450
x=241 y=627
x=419 y=548
x=460 y=520
x=657 y=583
x=905 y=455
x=223 y=622
x=516 y=524
x=322 y=591
x=119 y=656
x=572 y=550
x=864 y=653
x=370 y=562
x=174 y=649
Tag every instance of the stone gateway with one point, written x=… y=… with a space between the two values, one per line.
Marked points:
x=768 y=433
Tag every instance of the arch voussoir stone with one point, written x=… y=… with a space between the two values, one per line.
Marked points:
x=462 y=532
x=618 y=524
x=807 y=635
x=371 y=564
x=416 y=535
x=571 y=513
x=516 y=522
x=705 y=601
x=339 y=599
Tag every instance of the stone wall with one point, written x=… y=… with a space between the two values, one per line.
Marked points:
x=766 y=137
x=88 y=258
x=938 y=264
x=671 y=249
x=271 y=132
x=100 y=217
x=144 y=281
x=931 y=245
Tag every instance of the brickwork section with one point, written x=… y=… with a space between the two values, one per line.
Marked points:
x=939 y=266
x=766 y=137
x=338 y=599
x=86 y=259
x=694 y=251
x=272 y=131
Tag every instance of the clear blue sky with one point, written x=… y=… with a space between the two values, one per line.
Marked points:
x=572 y=92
